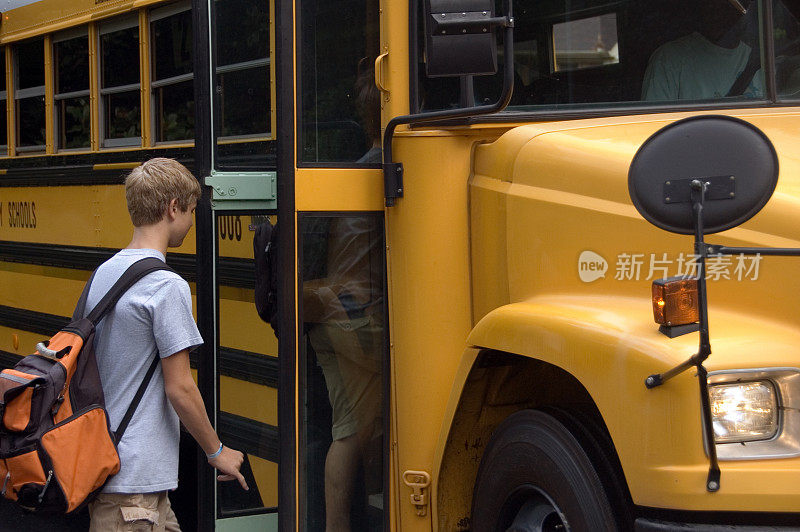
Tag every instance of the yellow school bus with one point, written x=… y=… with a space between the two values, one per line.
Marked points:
x=480 y=209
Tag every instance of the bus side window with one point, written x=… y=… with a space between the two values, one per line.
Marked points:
x=29 y=95
x=3 y=104
x=72 y=114
x=119 y=83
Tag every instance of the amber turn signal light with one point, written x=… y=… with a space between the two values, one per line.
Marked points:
x=675 y=301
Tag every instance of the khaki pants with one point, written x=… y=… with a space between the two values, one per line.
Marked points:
x=349 y=353
x=138 y=512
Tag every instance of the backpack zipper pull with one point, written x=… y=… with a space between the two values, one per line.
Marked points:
x=46 y=485
x=5 y=484
x=56 y=405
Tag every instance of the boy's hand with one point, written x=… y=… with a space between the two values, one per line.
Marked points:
x=228 y=463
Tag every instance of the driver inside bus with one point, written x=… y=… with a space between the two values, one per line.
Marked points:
x=708 y=63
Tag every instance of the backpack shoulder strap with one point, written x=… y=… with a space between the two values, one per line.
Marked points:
x=136 y=271
x=136 y=399
x=80 y=307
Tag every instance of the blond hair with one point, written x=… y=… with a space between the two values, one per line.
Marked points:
x=151 y=186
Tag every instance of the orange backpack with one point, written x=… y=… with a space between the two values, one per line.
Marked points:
x=56 y=446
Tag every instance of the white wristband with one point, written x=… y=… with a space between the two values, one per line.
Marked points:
x=214 y=455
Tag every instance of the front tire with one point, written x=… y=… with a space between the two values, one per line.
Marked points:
x=535 y=476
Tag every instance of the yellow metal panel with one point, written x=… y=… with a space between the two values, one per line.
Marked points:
x=250 y=400
x=394 y=40
x=428 y=260
x=235 y=235
x=41 y=288
x=43 y=215
x=49 y=116
x=47 y=16
x=25 y=341
x=240 y=326
x=335 y=189
x=116 y=166
x=488 y=251
x=144 y=77
x=94 y=85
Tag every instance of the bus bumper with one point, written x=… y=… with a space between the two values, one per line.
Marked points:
x=653 y=525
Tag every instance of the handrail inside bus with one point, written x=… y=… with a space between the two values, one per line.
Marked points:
x=393 y=172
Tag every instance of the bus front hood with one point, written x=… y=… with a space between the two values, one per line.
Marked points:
x=546 y=197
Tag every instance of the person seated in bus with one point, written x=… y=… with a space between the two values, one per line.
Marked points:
x=153 y=318
x=706 y=64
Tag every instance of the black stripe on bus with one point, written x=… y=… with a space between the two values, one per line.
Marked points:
x=31 y=321
x=79 y=169
x=245 y=434
x=249 y=436
x=231 y=271
x=234 y=363
x=87 y=160
x=247 y=366
x=8 y=360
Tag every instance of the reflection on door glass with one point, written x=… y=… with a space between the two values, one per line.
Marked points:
x=343 y=372
x=340 y=104
x=586 y=43
x=247 y=371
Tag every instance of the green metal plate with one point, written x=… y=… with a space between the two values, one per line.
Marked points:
x=243 y=191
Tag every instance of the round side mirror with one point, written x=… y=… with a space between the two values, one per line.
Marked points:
x=734 y=158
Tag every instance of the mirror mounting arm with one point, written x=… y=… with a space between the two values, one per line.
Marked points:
x=393 y=172
x=698 y=193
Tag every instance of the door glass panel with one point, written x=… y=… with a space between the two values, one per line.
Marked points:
x=343 y=372
x=242 y=86
x=339 y=102
x=173 y=91
x=247 y=372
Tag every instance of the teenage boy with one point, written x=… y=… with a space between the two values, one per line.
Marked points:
x=154 y=316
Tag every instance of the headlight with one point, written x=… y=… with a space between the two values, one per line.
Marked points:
x=746 y=411
x=755 y=413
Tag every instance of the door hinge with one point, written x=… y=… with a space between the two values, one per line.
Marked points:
x=418 y=481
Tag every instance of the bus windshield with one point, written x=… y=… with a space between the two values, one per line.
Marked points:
x=596 y=53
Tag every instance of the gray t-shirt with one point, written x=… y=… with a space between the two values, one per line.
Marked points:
x=155 y=315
